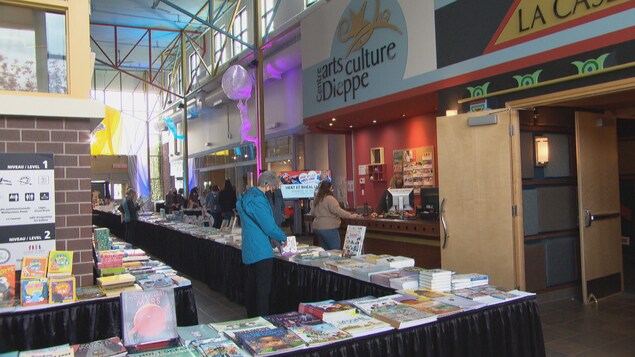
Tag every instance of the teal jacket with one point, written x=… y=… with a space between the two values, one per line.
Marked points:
x=258 y=225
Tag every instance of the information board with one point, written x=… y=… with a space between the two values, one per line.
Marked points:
x=27 y=206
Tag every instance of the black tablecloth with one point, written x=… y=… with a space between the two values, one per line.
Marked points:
x=77 y=322
x=508 y=329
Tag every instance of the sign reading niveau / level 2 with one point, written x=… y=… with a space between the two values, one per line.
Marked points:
x=27 y=206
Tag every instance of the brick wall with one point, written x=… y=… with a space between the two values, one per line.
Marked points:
x=67 y=139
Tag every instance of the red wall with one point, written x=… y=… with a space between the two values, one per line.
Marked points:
x=400 y=134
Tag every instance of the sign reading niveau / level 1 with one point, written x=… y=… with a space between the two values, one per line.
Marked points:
x=27 y=206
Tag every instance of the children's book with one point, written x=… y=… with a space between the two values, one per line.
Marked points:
x=262 y=342
x=437 y=308
x=34 y=291
x=424 y=294
x=361 y=325
x=7 y=285
x=463 y=303
x=327 y=309
x=224 y=348
x=197 y=333
x=60 y=263
x=102 y=238
x=115 y=281
x=110 y=347
x=89 y=292
x=179 y=351
x=354 y=240
x=64 y=350
x=33 y=267
x=290 y=248
x=114 y=292
x=293 y=319
x=402 y=316
x=148 y=317
x=62 y=290
x=320 y=334
x=231 y=327
x=368 y=306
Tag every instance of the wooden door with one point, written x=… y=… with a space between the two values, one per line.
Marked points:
x=480 y=191
x=599 y=206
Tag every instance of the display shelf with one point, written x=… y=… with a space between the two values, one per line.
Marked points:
x=376 y=172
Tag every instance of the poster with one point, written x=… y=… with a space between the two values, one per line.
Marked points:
x=301 y=184
x=27 y=206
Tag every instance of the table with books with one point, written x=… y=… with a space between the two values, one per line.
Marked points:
x=510 y=327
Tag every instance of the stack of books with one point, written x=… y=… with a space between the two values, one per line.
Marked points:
x=436 y=279
x=383 y=279
x=366 y=272
x=102 y=238
x=327 y=310
x=396 y=262
x=463 y=281
x=116 y=284
x=110 y=262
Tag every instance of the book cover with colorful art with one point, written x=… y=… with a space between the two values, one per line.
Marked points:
x=62 y=290
x=110 y=347
x=266 y=341
x=148 y=317
x=34 y=291
x=224 y=348
x=293 y=319
x=7 y=285
x=33 y=267
x=320 y=334
x=60 y=263
x=327 y=309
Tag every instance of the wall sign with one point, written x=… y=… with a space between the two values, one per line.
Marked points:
x=27 y=206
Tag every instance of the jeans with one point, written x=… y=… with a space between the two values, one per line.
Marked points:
x=258 y=287
x=329 y=238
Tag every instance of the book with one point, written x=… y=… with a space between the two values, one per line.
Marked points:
x=34 y=291
x=179 y=351
x=437 y=307
x=224 y=348
x=262 y=342
x=33 y=267
x=180 y=281
x=102 y=238
x=115 y=281
x=292 y=319
x=64 y=350
x=111 y=271
x=368 y=306
x=190 y=334
x=62 y=290
x=231 y=327
x=353 y=240
x=60 y=263
x=402 y=316
x=320 y=334
x=327 y=309
x=290 y=248
x=396 y=262
x=366 y=273
x=7 y=285
x=404 y=282
x=89 y=292
x=424 y=294
x=148 y=317
x=114 y=292
x=110 y=259
x=463 y=303
x=361 y=325
x=110 y=347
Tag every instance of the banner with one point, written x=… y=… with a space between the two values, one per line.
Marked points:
x=301 y=184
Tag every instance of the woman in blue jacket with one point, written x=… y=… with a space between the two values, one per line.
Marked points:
x=258 y=225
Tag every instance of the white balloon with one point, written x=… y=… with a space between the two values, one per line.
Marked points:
x=237 y=83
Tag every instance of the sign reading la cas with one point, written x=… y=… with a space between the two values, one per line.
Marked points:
x=344 y=76
x=530 y=17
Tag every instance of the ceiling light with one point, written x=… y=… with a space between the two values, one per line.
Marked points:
x=330 y=124
x=374 y=121
x=333 y=119
x=350 y=126
x=403 y=115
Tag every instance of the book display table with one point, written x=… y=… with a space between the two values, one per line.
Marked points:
x=77 y=322
x=507 y=329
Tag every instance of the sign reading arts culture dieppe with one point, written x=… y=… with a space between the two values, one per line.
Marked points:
x=27 y=206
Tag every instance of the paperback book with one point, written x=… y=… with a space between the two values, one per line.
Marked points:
x=231 y=327
x=33 y=267
x=320 y=334
x=463 y=303
x=293 y=319
x=224 y=348
x=110 y=347
x=60 y=263
x=197 y=333
x=262 y=342
x=179 y=351
x=7 y=285
x=89 y=292
x=327 y=309
x=361 y=325
x=148 y=317
x=437 y=308
x=64 y=350
x=368 y=306
x=34 y=291
x=62 y=290
x=354 y=240
x=402 y=316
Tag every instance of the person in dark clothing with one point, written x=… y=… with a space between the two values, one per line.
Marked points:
x=277 y=205
x=227 y=199
x=129 y=209
x=180 y=200
x=170 y=201
x=395 y=182
x=212 y=202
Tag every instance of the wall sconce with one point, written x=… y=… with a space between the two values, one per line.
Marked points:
x=542 y=150
x=451 y=112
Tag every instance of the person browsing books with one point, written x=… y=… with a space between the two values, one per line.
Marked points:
x=129 y=209
x=328 y=214
x=258 y=226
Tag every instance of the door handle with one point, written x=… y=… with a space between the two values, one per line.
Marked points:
x=446 y=234
x=590 y=218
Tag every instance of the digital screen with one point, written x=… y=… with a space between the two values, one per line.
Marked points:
x=301 y=184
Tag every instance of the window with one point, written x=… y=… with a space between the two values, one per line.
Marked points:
x=308 y=3
x=194 y=68
x=170 y=86
x=219 y=42
x=32 y=50
x=267 y=15
x=240 y=31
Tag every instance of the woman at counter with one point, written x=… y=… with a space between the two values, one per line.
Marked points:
x=382 y=206
x=327 y=213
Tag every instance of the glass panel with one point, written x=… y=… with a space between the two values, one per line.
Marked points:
x=32 y=50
